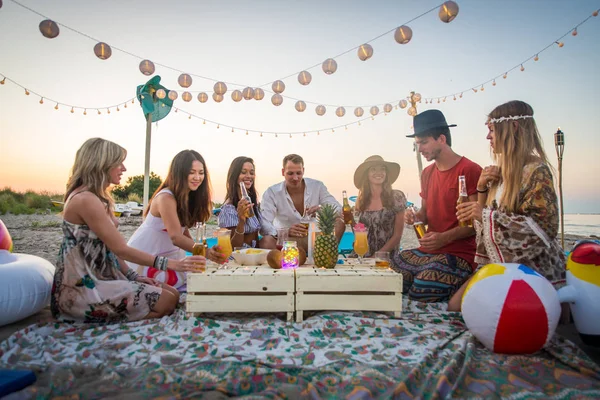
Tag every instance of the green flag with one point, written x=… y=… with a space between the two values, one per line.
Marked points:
x=146 y=94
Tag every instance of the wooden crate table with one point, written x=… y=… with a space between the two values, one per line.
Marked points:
x=359 y=287
x=241 y=289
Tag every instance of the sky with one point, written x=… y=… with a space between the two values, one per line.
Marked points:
x=252 y=43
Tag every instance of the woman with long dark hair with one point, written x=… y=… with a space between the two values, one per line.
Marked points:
x=180 y=202
x=241 y=216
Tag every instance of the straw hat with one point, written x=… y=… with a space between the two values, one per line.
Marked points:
x=393 y=170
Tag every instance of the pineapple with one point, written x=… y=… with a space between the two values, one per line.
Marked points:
x=326 y=247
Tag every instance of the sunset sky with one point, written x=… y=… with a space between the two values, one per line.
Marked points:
x=253 y=43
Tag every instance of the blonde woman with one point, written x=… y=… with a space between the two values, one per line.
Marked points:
x=92 y=282
x=516 y=212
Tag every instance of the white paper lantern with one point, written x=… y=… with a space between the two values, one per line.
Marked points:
x=358 y=111
x=412 y=111
x=236 y=95
x=186 y=96
x=147 y=67
x=49 y=29
x=320 y=110
x=276 y=99
x=374 y=110
x=417 y=97
x=184 y=80
x=202 y=97
x=300 y=106
x=340 y=111
x=448 y=11
x=248 y=93
x=217 y=97
x=304 y=78
x=387 y=108
x=278 y=86
x=259 y=94
x=403 y=34
x=102 y=51
x=161 y=94
x=329 y=66
x=403 y=103
x=173 y=95
x=220 y=88
x=365 y=51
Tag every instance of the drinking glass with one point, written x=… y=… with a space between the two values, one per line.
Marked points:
x=224 y=242
x=361 y=244
x=382 y=259
x=282 y=237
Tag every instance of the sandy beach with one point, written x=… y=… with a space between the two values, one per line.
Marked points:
x=41 y=234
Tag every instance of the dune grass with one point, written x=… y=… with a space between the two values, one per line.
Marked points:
x=29 y=202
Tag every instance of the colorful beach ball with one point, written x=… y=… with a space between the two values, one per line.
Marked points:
x=510 y=308
x=6 y=242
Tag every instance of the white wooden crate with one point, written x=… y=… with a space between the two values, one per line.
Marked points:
x=241 y=289
x=354 y=287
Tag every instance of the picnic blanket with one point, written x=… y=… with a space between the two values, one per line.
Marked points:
x=428 y=353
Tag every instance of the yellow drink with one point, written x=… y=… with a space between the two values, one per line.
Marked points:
x=361 y=245
x=224 y=242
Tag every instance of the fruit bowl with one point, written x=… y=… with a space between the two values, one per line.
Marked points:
x=250 y=256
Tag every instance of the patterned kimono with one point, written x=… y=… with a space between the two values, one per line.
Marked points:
x=528 y=236
x=89 y=285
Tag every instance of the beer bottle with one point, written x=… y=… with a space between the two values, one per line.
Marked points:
x=463 y=197
x=347 y=210
x=418 y=226
x=200 y=246
x=245 y=196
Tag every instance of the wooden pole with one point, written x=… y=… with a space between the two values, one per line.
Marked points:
x=559 y=144
x=147 y=161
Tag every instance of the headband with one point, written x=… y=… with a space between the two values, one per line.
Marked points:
x=513 y=118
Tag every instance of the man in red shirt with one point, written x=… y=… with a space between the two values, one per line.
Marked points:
x=445 y=258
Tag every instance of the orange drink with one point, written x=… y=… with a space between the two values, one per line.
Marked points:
x=224 y=242
x=361 y=244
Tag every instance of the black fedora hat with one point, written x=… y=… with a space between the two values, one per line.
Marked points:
x=428 y=122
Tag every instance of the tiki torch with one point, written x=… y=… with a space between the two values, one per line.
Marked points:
x=559 y=144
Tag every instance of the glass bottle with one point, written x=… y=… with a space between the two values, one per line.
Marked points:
x=245 y=196
x=347 y=210
x=418 y=226
x=463 y=197
x=199 y=248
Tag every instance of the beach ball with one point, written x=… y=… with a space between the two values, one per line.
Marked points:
x=510 y=308
x=6 y=242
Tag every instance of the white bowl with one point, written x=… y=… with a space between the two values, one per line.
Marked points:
x=242 y=257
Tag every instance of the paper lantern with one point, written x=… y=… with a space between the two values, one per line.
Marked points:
x=236 y=95
x=102 y=51
x=173 y=95
x=276 y=99
x=320 y=110
x=184 y=80
x=403 y=34
x=220 y=88
x=202 y=97
x=374 y=110
x=412 y=111
x=278 y=86
x=304 y=78
x=161 y=93
x=186 y=96
x=365 y=51
x=147 y=67
x=217 y=97
x=340 y=111
x=510 y=308
x=403 y=103
x=248 y=93
x=259 y=94
x=387 y=108
x=358 y=111
x=6 y=242
x=49 y=28
x=329 y=66
x=300 y=106
x=448 y=11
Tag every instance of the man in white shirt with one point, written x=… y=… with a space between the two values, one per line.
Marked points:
x=284 y=204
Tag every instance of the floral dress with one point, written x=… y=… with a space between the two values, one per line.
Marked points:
x=89 y=285
x=528 y=236
x=381 y=223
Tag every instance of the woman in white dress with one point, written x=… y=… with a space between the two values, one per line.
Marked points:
x=181 y=201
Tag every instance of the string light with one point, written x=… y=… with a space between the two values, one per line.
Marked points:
x=536 y=58
x=560 y=44
x=41 y=100
x=84 y=111
x=56 y=106
x=118 y=108
x=494 y=83
x=108 y=110
x=522 y=68
x=72 y=110
x=2 y=81
x=99 y=112
x=26 y=92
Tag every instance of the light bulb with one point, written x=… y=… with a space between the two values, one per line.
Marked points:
x=522 y=68
x=108 y=110
x=56 y=106
x=505 y=75
x=2 y=81
x=85 y=112
x=26 y=92
x=560 y=44
x=536 y=58
x=574 y=33
x=72 y=110
x=494 y=83
x=41 y=100
x=118 y=108
x=190 y=116
x=99 y=112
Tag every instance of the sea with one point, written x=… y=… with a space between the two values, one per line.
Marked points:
x=582 y=224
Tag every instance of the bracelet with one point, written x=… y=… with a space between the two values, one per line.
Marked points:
x=131 y=275
x=160 y=263
x=239 y=233
x=483 y=191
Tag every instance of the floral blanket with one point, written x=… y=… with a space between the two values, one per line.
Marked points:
x=428 y=353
